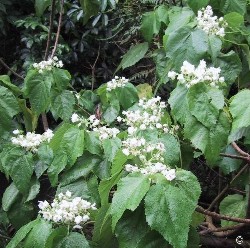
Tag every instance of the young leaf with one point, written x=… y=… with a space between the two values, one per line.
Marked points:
x=135 y=53
x=130 y=192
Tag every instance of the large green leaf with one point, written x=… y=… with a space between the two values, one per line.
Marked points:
x=75 y=240
x=197 y=5
x=37 y=88
x=240 y=109
x=234 y=19
x=56 y=236
x=5 y=81
x=111 y=146
x=205 y=103
x=38 y=235
x=134 y=54
x=169 y=208
x=21 y=234
x=209 y=140
x=130 y=192
x=111 y=112
x=61 y=78
x=19 y=166
x=233 y=205
x=131 y=228
x=40 y=6
x=179 y=104
x=153 y=239
x=92 y=143
x=186 y=44
x=8 y=108
x=63 y=104
x=215 y=45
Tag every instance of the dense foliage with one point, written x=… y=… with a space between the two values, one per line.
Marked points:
x=117 y=163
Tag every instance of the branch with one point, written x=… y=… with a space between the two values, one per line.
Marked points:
x=93 y=68
x=9 y=69
x=52 y=14
x=218 y=197
x=239 y=150
x=248 y=201
x=200 y=209
x=235 y=156
x=58 y=28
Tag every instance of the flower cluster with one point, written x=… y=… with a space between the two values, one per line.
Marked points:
x=106 y=132
x=209 y=23
x=31 y=141
x=190 y=75
x=117 y=82
x=150 y=155
x=149 y=115
x=92 y=121
x=65 y=210
x=47 y=65
x=168 y=173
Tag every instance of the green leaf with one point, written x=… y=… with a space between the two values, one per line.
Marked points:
x=123 y=93
x=61 y=78
x=234 y=19
x=111 y=146
x=186 y=44
x=92 y=143
x=105 y=187
x=215 y=45
x=234 y=6
x=209 y=140
x=9 y=197
x=19 y=166
x=193 y=238
x=131 y=228
x=58 y=164
x=37 y=88
x=38 y=235
x=82 y=168
x=144 y=91
x=21 y=234
x=197 y=5
x=233 y=205
x=41 y=6
x=153 y=239
x=88 y=100
x=75 y=240
x=63 y=104
x=90 y=8
x=102 y=234
x=240 y=109
x=130 y=192
x=5 y=81
x=171 y=144
x=230 y=65
x=150 y=25
x=118 y=162
x=205 y=103
x=56 y=236
x=169 y=208
x=8 y=108
x=111 y=112
x=228 y=165
x=34 y=189
x=134 y=54
x=179 y=104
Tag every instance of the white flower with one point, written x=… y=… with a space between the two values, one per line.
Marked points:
x=16 y=131
x=117 y=82
x=47 y=65
x=172 y=74
x=78 y=219
x=75 y=118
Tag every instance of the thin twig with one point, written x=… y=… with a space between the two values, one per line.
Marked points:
x=218 y=197
x=9 y=69
x=58 y=28
x=93 y=68
x=52 y=14
x=248 y=201
x=239 y=150
x=220 y=216
x=221 y=229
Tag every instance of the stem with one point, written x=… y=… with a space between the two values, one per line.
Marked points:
x=93 y=69
x=9 y=69
x=235 y=156
x=200 y=209
x=239 y=150
x=248 y=200
x=58 y=28
x=52 y=14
